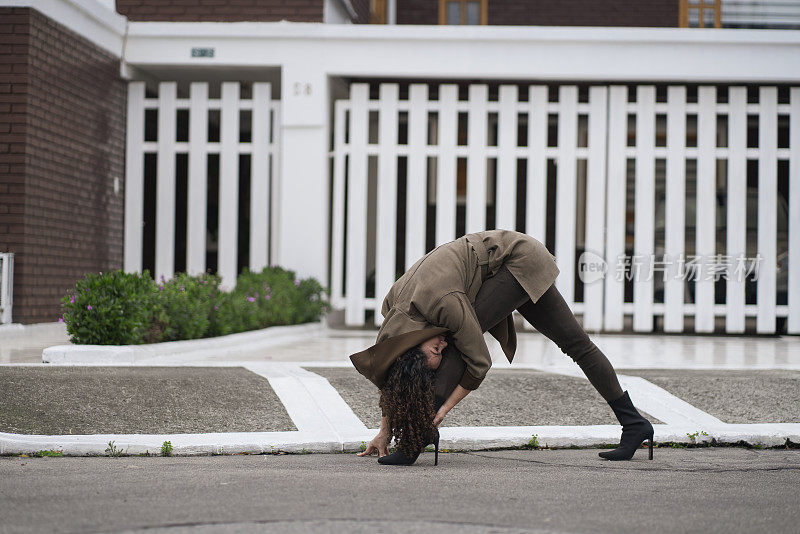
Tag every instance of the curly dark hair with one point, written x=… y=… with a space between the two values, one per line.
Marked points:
x=407 y=399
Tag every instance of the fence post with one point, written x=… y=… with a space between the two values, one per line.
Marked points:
x=6 y=286
x=303 y=191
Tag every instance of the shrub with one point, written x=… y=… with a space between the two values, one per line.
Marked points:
x=115 y=308
x=273 y=296
x=182 y=308
x=120 y=308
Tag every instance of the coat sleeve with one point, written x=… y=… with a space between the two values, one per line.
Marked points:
x=454 y=312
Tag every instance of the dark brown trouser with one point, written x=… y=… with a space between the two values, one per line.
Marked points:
x=499 y=296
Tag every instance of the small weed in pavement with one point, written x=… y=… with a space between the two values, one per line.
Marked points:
x=533 y=443
x=40 y=454
x=166 y=448
x=112 y=450
x=694 y=435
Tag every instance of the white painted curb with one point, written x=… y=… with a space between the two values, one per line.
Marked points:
x=452 y=438
x=187 y=350
x=13 y=331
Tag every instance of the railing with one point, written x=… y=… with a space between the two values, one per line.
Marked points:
x=6 y=286
x=760 y=14
x=651 y=188
x=222 y=134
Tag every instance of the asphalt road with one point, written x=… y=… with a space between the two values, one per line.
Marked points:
x=699 y=490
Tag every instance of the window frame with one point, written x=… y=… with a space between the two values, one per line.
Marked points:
x=701 y=6
x=443 y=12
x=377 y=12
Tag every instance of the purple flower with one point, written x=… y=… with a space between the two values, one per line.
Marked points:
x=251 y=299
x=216 y=307
x=267 y=296
x=296 y=282
x=60 y=319
x=72 y=299
x=161 y=288
x=89 y=307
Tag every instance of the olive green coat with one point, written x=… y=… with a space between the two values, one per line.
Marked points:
x=439 y=291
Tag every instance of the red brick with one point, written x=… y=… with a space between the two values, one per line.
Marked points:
x=230 y=10
x=657 y=13
x=65 y=114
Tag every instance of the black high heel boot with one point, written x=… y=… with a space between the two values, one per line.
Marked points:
x=398 y=458
x=635 y=429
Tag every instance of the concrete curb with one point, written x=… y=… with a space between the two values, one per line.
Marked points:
x=452 y=438
x=183 y=351
x=15 y=331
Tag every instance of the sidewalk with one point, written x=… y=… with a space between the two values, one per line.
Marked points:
x=306 y=396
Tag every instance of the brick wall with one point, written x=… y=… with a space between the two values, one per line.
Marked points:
x=655 y=13
x=14 y=30
x=417 y=12
x=67 y=116
x=222 y=10
x=361 y=7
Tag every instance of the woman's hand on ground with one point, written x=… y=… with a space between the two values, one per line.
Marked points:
x=439 y=417
x=379 y=444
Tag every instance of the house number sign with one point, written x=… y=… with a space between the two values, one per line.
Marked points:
x=302 y=89
x=202 y=52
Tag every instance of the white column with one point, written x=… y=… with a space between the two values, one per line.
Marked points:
x=596 y=204
x=536 y=196
x=357 y=205
x=416 y=174
x=644 y=208
x=706 y=202
x=615 y=206
x=737 y=206
x=228 y=185
x=198 y=178
x=506 y=198
x=476 y=160
x=566 y=190
x=303 y=191
x=134 y=178
x=387 y=195
x=165 y=182
x=674 y=213
x=259 y=179
x=767 y=207
x=446 y=173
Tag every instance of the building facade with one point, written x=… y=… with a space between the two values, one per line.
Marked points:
x=131 y=138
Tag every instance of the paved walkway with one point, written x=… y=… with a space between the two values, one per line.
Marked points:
x=694 y=388
x=712 y=490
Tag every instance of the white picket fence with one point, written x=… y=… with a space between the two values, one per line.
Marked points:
x=755 y=13
x=6 y=286
x=263 y=148
x=365 y=191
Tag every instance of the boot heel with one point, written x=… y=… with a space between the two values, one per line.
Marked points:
x=650 y=445
x=436 y=451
